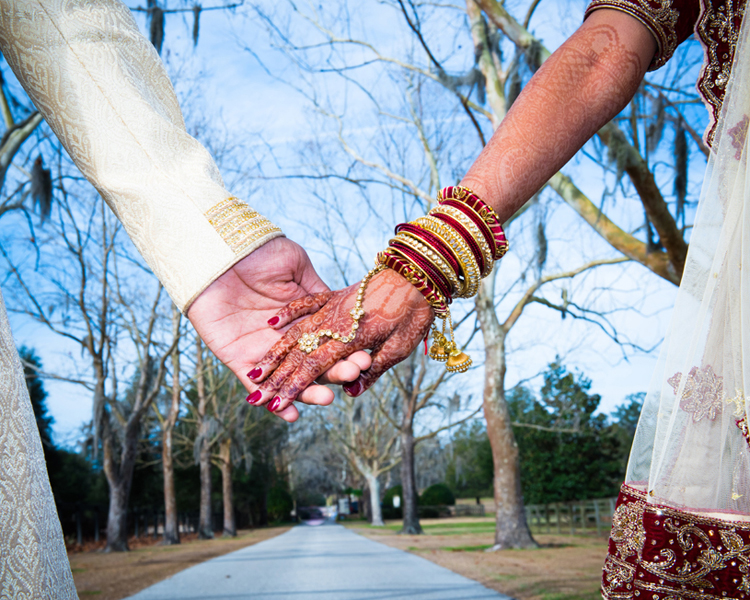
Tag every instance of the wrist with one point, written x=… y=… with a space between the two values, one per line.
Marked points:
x=445 y=255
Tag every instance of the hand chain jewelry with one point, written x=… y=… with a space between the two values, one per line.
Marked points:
x=310 y=341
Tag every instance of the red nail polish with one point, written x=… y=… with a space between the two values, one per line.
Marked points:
x=273 y=320
x=274 y=404
x=255 y=373
x=354 y=389
x=254 y=397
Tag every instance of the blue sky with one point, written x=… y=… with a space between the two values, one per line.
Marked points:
x=223 y=84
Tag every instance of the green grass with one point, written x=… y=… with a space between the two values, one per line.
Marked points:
x=480 y=548
x=555 y=596
x=480 y=526
x=78 y=570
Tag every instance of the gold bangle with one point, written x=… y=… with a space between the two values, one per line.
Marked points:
x=436 y=299
x=469 y=266
x=430 y=254
x=470 y=226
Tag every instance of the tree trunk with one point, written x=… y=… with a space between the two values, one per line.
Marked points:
x=377 y=513
x=205 y=527
x=511 y=529
x=117 y=519
x=230 y=529
x=365 y=510
x=171 y=526
x=410 y=497
x=120 y=479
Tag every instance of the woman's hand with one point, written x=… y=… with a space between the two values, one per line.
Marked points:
x=396 y=319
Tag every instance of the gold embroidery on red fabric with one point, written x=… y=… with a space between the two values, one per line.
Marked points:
x=742 y=425
x=718 y=31
x=689 y=556
x=628 y=532
x=617 y=573
x=710 y=558
x=658 y=15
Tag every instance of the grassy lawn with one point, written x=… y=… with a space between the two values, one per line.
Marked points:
x=564 y=567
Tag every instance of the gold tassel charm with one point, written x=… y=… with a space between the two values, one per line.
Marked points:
x=458 y=362
x=445 y=350
x=438 y=350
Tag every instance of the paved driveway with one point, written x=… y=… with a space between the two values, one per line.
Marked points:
x=327 y=562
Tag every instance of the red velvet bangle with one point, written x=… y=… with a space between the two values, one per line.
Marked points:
x=412 y=274
x=441 y=283
x=476 y=219
x=467 y=237
x=442 y=248
x=484 y=210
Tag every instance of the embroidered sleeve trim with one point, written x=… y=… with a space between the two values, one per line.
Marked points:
x=718 y=31
x=240 y=226
x=657 y=15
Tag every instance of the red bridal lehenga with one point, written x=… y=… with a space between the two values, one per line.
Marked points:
x=681 y=528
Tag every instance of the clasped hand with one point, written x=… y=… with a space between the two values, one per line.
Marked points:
x=396 y=319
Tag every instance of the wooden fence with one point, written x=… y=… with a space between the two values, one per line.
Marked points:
x=569 y=517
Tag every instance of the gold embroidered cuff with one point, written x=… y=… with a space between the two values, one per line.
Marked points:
x=240 y=226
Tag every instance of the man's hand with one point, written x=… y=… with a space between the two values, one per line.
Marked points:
x=232 y=315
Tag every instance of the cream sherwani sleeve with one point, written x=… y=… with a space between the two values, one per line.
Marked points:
x=102 y=88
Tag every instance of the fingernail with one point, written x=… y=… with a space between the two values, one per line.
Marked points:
x=273 y=320
x=255 y=373
x=273 y=404
x=254 y=397
x=354 y=389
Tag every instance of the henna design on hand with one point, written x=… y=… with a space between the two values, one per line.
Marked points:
x=396 y=320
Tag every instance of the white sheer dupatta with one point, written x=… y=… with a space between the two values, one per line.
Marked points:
x=692 y=446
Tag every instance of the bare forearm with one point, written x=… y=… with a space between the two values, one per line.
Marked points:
x=583 y=85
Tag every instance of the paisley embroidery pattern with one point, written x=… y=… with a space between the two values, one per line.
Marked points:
x=627 y=532
x=683 y=556
x=33 y=560
x=738 y=133
x=703 y=395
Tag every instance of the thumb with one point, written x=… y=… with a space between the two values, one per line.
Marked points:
x=308 y=278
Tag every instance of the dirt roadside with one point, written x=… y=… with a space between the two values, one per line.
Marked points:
x=119 y=575
x=565 y=567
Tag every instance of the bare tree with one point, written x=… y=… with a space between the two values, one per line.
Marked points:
x=366 y=438
x=202 y=443
x=167 y=423
x=416 y=388
x=90 y=304
x=223 y=426
x=433 y=118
